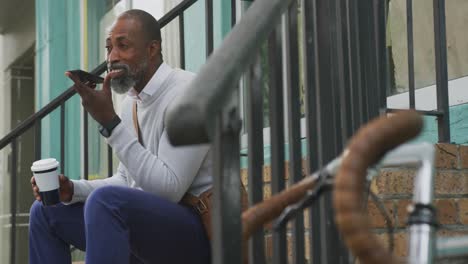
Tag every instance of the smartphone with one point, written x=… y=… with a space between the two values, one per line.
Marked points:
x=87 y=77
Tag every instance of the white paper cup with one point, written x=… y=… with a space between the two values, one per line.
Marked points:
x=46 y=175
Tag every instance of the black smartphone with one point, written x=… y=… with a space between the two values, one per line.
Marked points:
x=87 y=77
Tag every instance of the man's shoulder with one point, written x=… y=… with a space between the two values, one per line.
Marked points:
x=181 y=75
x=179 y=80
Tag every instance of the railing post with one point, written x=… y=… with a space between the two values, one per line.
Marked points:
x=440 y=43
x=330 y=119
x=233 y=12
x=226 y=220
x=255 y=153
x=37 y=139
x=310 y=88
x=379 y=32
x=182 y=40
x=209 y=26
x=13 y=193
x=409 y=34
x=294 y=125
x=85 y=145
x=110 y=166
x=355 y=66
x=277 y=135
x=62 y=138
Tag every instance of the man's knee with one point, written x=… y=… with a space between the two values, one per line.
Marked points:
x=36 y=212
x=103 y=197
x=103 y=194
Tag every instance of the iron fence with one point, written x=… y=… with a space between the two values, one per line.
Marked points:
x=345 y=81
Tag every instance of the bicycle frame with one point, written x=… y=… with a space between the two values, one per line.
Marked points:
x=422 y=218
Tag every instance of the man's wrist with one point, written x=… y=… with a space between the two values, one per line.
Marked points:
x=106 y=129
x=72 y=188
x=71 y=191
x=107 y=118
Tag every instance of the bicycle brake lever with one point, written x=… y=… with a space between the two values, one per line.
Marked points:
x=325 y=184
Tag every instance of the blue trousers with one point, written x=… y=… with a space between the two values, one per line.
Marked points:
x=118 y=225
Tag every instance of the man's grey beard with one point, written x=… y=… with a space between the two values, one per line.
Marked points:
x=122 y=84
x=125 y=82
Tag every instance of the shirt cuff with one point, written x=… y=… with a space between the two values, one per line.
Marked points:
x=79 y=194
x=119 y=138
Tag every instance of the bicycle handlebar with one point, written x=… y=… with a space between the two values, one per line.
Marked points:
x=258 y=215
x=365 y=149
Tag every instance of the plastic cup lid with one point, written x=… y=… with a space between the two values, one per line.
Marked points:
x=44 y=164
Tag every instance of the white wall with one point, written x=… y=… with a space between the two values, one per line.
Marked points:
x=15 y=41
x=423 y=31
x=18 y=38
x=170 y=33
x=170 y=37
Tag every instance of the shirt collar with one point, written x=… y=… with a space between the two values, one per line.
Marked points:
x=153 y=85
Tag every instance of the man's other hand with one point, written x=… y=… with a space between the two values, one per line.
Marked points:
x=66 y=189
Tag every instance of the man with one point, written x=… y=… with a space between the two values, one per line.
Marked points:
x=135 y=215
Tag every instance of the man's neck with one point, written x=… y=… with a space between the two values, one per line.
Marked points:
x=151 y=71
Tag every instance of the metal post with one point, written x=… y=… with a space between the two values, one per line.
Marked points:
x=255 y=154
x=355 y=65
x=85 y=145
x=294 y=125
x=209 y=26
x=378 y=22
x=233 y=13
x=276 y=135
x=328 y=118
x=62 y=138
x=37 y=139
x=182 y=40
x=343 y=72
x=363 y=15
x=409 y=32
x=13 y=194
x=226 y=221
x=440 y=43
x=310 y=88
x=110 y=167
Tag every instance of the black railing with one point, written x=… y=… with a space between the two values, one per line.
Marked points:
x=214 y=116
x=34 y=121
x=276 y=113
x=440 y=47
x=345 y=80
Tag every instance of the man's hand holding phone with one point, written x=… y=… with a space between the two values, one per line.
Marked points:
x=97 y=102
x=87 y=77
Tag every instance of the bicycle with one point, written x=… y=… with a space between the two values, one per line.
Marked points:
x=378 y=144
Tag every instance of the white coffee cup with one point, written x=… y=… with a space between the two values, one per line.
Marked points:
x=47 y=180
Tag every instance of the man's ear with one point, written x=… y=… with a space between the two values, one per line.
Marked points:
x=154 y=48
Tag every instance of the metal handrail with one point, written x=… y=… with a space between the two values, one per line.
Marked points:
x=55 y=103
x=215 y=82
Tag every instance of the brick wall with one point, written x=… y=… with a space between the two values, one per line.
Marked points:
x=394 y=187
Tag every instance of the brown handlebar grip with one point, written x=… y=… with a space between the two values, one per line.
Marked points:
x=258 y=215
x=365 y=149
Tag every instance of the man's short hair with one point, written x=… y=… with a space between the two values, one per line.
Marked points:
x=150 y=25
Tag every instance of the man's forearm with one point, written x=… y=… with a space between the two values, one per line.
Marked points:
x=83 y=188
